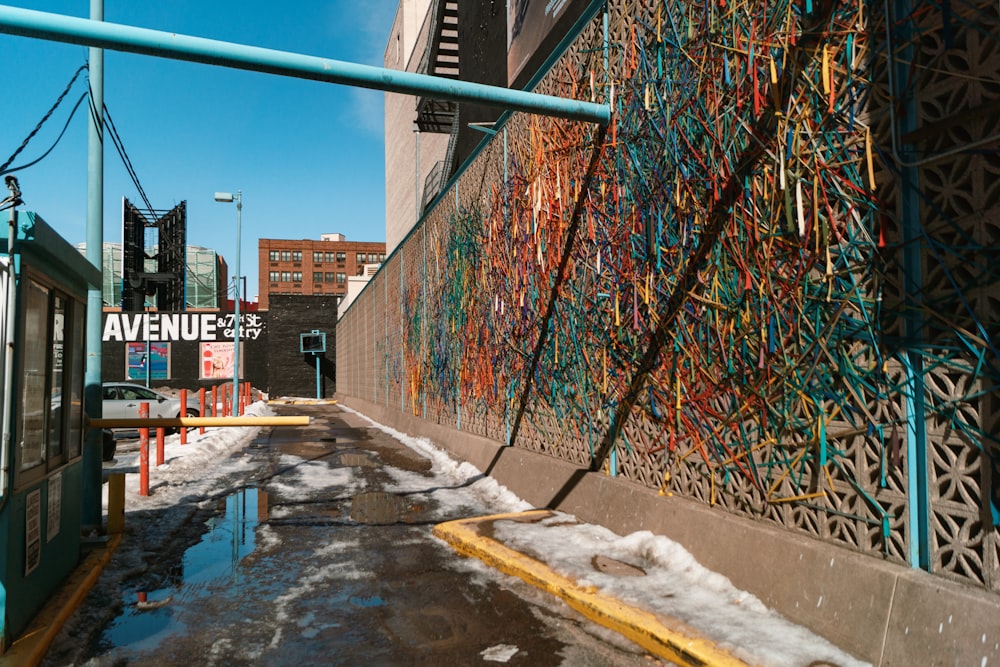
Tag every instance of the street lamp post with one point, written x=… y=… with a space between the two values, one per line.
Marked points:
x=228 y=197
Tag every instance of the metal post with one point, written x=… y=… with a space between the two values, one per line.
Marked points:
x=900 y=47
x=90 y=510
x=236 y=322
x=228 y=197
x=184 y=431
x=318 y=394
x=144 y=452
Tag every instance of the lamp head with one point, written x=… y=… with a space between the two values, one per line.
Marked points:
x=224 y=196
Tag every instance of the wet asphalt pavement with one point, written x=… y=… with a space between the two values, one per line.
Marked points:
x=323 y=555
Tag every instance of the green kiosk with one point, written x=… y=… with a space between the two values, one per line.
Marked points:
x=43 y=294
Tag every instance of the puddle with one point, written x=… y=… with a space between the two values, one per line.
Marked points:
x=355 y=460
x=211 y=564
x=378 y=508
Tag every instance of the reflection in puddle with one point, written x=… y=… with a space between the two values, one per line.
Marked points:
x=377 y=508
x=213 y=563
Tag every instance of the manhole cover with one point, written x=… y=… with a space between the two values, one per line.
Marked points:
x=377 y=508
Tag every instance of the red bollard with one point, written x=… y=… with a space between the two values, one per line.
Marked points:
x=215 y=400
x=144 y=452
x=201 y=400
x=159 y=445
x=184 y=411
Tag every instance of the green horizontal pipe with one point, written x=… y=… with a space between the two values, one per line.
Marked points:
x=118 y=37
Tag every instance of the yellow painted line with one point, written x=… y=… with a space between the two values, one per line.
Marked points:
x=30 y=648
x=678 y=643
x=302 y=401
x=176 y=422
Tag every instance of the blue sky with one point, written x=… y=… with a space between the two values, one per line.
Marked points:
x=308 y=156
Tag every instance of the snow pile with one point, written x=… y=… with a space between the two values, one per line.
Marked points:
x=674 y=583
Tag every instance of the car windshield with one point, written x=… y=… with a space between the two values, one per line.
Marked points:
x=138 y=393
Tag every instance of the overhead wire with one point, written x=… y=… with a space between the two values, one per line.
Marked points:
x=4 y=167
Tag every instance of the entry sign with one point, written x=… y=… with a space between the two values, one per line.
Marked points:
x=312 y=343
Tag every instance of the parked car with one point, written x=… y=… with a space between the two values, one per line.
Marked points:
x=122 y=399
x=109 y=445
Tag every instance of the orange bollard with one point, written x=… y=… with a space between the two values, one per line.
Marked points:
x=184 y=410
x=144 y=452
x=159 y=445
x=215 y=400
x=201 y=401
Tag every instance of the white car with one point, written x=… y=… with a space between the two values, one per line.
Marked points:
x=122 y=399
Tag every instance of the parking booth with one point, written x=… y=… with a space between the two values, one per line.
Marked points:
x=43 y=283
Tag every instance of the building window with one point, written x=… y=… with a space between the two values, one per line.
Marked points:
x=317 y=257
x=273 y=276
x=297 y=256
x=330 y=278
x=362 y=258
x=317 y=277
x=341 y=277
x=296 y=276
x=286 y=277
x=286 y=256
x=273 y=255
x=341 y=256
x=330 y=255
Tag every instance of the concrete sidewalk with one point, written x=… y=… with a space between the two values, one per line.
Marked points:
x=663 y=637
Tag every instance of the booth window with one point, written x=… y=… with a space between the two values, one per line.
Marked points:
x=35 y=344
x=74 y=362
x=56 y=380
x=50 y=419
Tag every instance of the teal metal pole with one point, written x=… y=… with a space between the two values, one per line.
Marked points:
x=236 y=322
x=93 y=395
x=318 y=391
x=899 y=40
x=118 y=37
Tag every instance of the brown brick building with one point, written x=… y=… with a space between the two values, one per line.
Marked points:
x=312 y=267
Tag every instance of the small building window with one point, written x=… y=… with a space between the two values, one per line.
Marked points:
x=273 y=255
x=330 y=255
x=286 y=277
x=296 y=276
x=341 y=256
x=330 y=278
x=273 y=276
x=317 y=277
x=286 y=255
x=317 y=257
x=297 y=256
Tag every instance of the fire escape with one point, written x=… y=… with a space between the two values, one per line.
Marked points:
x=439 y=116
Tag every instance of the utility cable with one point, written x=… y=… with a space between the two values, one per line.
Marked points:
x=24 y=144
x=120 y=147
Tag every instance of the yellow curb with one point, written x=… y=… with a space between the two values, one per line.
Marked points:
x=642 y=627
x=30 y=647
x=302 y=401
